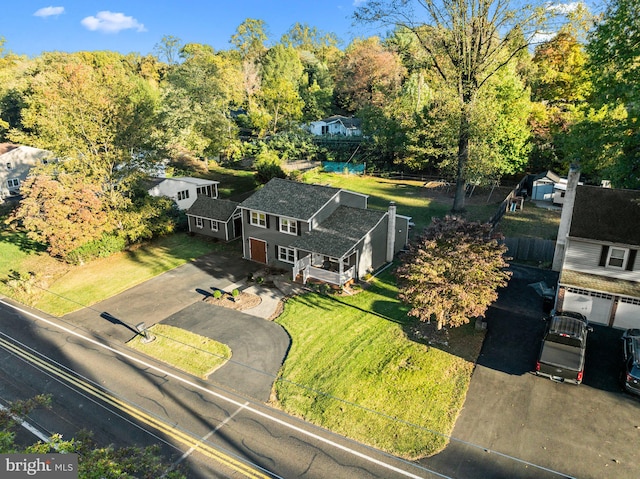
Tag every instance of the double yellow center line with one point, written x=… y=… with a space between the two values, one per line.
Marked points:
x=181 y=437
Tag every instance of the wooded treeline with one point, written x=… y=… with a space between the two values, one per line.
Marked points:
x=424 y=104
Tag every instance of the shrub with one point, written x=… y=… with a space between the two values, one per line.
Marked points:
x=101 y=248
x=217 y=294
x=267 y=166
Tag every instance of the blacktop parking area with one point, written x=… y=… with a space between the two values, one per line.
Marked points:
x=518 y=425
x=513 y=423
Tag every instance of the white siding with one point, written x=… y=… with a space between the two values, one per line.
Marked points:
x=584 y=256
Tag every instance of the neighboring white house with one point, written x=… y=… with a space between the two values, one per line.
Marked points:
x=15 y=163
x=184 y=189
x=597 y=255
x=336 y=125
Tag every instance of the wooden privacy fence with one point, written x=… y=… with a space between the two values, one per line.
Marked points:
x=530 y=249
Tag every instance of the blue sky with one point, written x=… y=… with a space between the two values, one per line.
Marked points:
x=31 y=27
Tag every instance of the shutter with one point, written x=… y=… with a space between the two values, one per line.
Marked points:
x=631 y=260
x=267 y=219
x=248 y=216
x=278 y=223
x=603 y=255
x=299 y=228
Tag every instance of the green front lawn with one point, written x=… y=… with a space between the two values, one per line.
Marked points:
x=353 y=369
x=58 y=288
x=184 y=350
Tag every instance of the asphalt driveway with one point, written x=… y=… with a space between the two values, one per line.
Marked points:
x=516 y=425
x=258 y=346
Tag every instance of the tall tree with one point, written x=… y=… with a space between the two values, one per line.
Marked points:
x=63 y=210
x=95 y=114
x=198 y=96
x=452 y=272
x=606 y=142
x=279 y=96
x=368 y=75
x=468 y=41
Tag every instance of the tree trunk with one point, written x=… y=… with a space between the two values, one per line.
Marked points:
x=463 y=158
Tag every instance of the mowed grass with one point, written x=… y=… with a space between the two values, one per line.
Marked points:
x=187 y=351
x=352 y=369
x=59 y=288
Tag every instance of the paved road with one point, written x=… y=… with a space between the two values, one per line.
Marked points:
x=586 y=431
x=192 y=415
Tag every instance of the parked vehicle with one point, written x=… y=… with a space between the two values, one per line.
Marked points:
x=631 y=352
x=563 y=347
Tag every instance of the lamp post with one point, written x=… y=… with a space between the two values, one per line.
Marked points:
x=147 y=338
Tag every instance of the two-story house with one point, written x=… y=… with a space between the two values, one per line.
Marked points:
x=319 y=232
x=15 y=164
x=600 y=272
x=184 y=190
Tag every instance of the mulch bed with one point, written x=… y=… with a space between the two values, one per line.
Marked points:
x=239 y=303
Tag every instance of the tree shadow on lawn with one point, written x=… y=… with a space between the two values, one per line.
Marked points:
x=21 y=240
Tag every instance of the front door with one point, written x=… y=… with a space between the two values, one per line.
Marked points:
x=258 y=250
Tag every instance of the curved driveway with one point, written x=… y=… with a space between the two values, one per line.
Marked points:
x=258 y=346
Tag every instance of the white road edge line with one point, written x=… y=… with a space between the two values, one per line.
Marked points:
x=227 y=399
x=28 y=426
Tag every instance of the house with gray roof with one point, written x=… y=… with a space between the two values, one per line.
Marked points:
x=215 y=218
x=600 y=268
x=319 y=232
x=16 y=162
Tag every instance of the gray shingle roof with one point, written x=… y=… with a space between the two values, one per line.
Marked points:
x=339 y=233
x=290 y=198
x=212 y=208
x=606 y=214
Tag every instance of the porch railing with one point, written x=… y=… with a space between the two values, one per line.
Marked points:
x=331 y=277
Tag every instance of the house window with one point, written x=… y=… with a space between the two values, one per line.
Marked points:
x=214 y=225
x=288 y=255
x=183 y=195
x=258 y=219
x=617 y=257
x=288 y=226
x=204 y=191
x=199 y=222
x=13 y=183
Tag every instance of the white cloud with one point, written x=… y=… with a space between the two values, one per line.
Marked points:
x=357 y=3
x=565 y=8
x=110 y=22
x=49 y=12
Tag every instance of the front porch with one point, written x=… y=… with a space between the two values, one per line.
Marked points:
x=325 y=269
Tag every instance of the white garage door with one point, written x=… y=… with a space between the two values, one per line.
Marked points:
x=627 y=313
x=595 y=306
